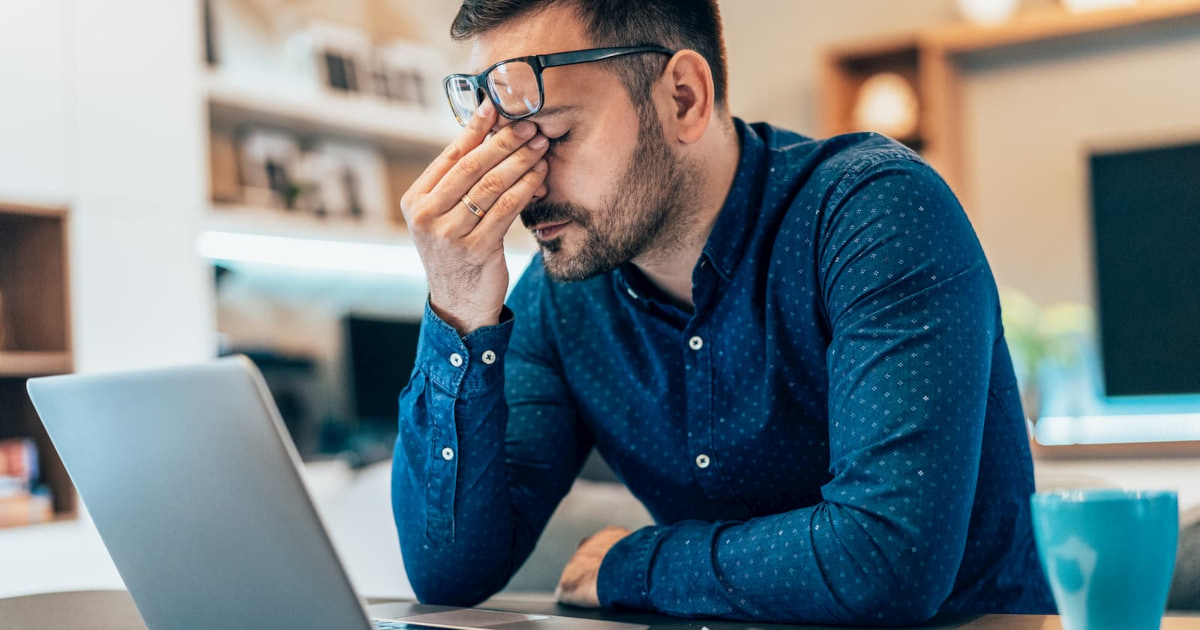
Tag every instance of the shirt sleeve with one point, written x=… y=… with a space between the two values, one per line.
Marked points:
x=913 y=313
x=489 y=443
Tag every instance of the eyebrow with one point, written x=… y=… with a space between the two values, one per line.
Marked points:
x=549 y=112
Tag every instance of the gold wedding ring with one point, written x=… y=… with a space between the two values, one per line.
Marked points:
x=473 y=207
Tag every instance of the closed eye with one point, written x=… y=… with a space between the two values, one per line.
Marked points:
x=559 y=141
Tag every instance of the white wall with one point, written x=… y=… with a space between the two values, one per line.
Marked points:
x=33 y=102
x=143 y=296
x=1029 y=120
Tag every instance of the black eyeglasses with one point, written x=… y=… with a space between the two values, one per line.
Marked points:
x=515 y=85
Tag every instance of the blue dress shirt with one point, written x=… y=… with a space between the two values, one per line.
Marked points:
x=833 y=436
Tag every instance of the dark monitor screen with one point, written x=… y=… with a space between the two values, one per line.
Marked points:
x=381 y=355
x=1146 y=220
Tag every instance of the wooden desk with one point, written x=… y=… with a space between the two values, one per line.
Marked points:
x=114 y=610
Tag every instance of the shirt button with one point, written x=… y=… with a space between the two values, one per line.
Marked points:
x=696 y=343
x=456 y=360
x=702 y=461
x=447 y=453
x=633 y=294
x=489 y=357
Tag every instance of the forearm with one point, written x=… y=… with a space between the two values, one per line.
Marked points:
x=449 y=489
x=828 y=564
x=480 y=463
x=450 y=497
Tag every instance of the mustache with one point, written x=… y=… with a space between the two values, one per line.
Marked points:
x=542 y=212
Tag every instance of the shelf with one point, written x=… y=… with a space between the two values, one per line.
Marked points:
x=31 y=364
x=396 y=128
x=253 y=235
x=265 y=221
x=25 y=210
x=1052 y=23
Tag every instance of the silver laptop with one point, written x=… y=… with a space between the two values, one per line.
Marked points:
x=195 y=489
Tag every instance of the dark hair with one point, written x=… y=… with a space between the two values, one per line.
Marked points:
x=676 y=24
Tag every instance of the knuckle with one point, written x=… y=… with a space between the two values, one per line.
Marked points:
x=442 y=233
x=420 y=224
x=470 y=166
x=508 y=140
x=492 y=185
x=452 y=152
x=506 y=205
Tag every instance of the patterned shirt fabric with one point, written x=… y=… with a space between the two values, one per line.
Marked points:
x=833 y=435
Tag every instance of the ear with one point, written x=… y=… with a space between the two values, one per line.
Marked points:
x=688 y=79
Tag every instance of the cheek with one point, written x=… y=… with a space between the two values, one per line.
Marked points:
x=582 y=177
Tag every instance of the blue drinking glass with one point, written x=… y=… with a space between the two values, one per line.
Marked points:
x=1108 y=554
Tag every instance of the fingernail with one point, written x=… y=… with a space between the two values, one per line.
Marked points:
x=484 y=110
x=539 y=142
x=525 y=129
x=540 y=166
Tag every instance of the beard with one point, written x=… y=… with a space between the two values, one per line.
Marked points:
x=646 y=212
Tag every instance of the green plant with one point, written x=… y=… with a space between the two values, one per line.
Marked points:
x=1039 y=337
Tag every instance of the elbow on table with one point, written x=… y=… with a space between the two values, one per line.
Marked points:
x=900 y=600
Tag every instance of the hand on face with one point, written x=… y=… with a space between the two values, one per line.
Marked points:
x=578 y=584
x=462 y=244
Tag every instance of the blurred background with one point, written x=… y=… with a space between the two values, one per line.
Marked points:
x=185 y=179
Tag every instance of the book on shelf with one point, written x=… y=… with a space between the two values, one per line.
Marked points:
x=25 y=508
x=18 y=465
x=19 y=503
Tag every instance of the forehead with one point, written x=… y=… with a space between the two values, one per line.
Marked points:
x=550 y=30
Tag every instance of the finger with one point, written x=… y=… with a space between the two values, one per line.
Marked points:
x=475 y=164
x=469 y=138
x=488 y=190
x=496 y=223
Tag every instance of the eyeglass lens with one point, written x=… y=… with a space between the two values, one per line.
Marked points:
x=515 y=88
x=462 y=98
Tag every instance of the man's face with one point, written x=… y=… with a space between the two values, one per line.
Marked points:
x=616 y=188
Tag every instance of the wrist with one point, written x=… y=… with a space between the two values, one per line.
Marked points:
x=465 y=324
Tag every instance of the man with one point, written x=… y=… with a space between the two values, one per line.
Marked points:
x=790 y=350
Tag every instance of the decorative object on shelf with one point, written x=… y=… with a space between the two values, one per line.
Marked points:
x=343 y=57
x=887 y=103
x=268 y=160
x=1083 y=6
x=988 y=11
x=327 y=179
x=1041 y=338
x=350 y=181
x=410 y=74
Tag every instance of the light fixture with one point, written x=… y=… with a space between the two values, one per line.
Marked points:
x=308 y=253
x=887 y=103
x=987 y=12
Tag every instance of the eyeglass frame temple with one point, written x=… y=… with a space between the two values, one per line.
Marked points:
x=542 y=62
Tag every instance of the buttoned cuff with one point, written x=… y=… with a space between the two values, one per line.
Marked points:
x=623 y=581
x=463 y=364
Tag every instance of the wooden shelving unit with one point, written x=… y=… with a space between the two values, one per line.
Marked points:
x=395 y=128
x=30 y=364
x=35 y=337
x=932 y=60
x=274 y=222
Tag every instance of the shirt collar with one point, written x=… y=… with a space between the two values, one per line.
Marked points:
x=735 y=226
